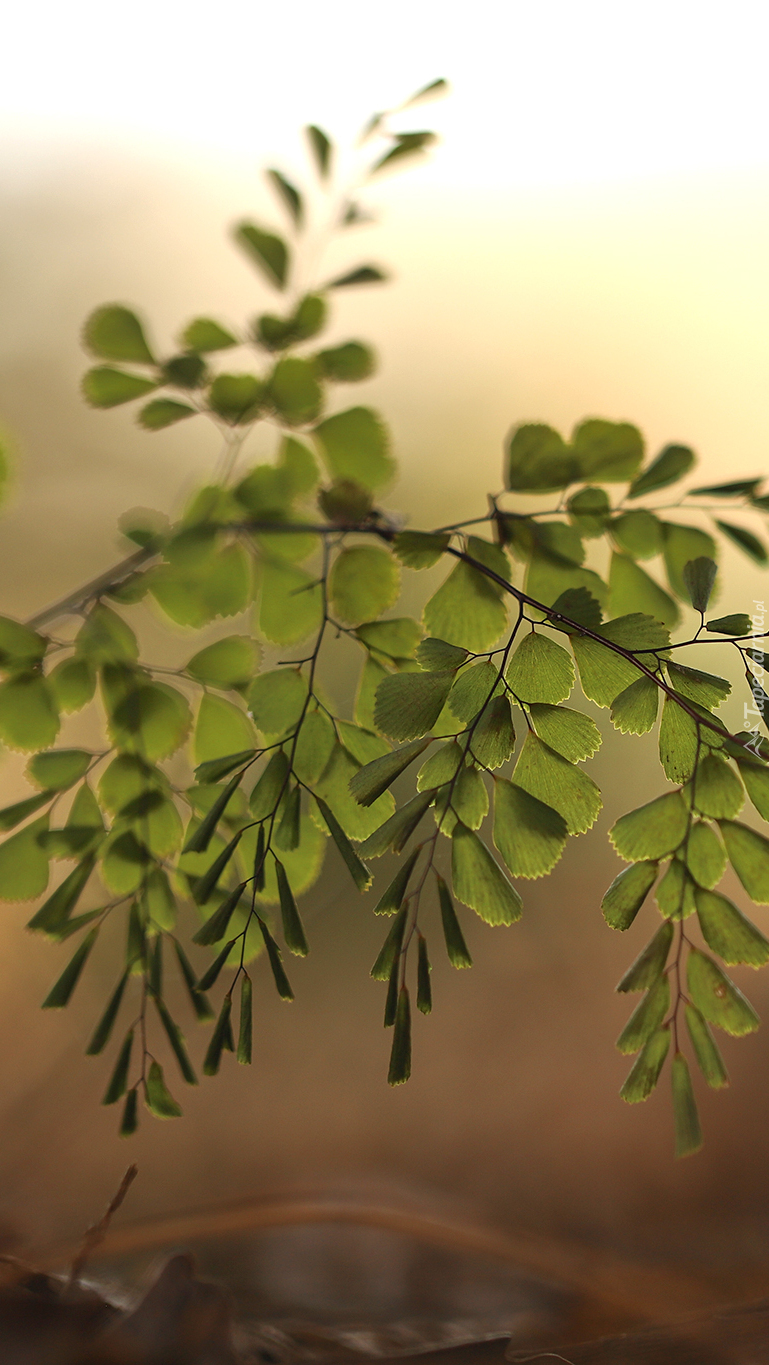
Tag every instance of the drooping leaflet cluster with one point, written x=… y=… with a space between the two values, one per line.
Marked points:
x=219 y=785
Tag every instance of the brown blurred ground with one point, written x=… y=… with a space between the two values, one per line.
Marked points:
x=512 y=1115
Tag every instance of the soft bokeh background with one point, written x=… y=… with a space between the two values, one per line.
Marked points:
x=589 y=239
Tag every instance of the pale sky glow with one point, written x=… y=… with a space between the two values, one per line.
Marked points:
x=547 y=93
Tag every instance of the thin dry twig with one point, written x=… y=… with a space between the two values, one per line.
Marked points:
x=94 y=1236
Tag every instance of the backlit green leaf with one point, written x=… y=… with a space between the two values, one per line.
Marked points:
x=115 y=333
x=549 y=578
x=216 y=926
x=294 y=391
x=609 y=452
x=291 y=602
x=540 y=670
x=293 y=930
x=675 y=892
x=117 y=1085
x=686 y=1118
x=699 y=575
x=200 y=838
x=570 y=733
x=398 y=638
x=24 y=863
x=436 y=656
x=728 y=932
x=709 y=1058
x=288 y=194
x=28 y=716
x=245 y=1035
x=705 y=855
x=267 y=250
x=276 y=965
x=72 y=684
x=153 y=719
x=538 y=460
x=164 y=412
x=589 y=511
x=391 y=948
x=369 y=782
x=229 y=663
x=756 y=779
x=530 y=835
x=20 y=647
x=440 y=767
x=186 y=371
x=467 y=609
x=737 y=624
x=646 y=1017
x=363 y=582
x=543 y=773
x=396 y=831
x=479 y=882
x=634 y=711
x=559 y=541
x=103 y=1031
x=159 y=1099
x=749 y=856
x=392 y=897
x=636 y=631
x=745 y=540
x=346 y=364
x=60 y=993
x=55 y=912
x=276 y=700
x=221 y=728
x=334 y=786
x=418 y=550
x=704 y=688
x=13 y=815
x=270 y=785
x=58 y=769
x=203 y=334
x=213 y=973
x=627 y=893
x=682 y=544
x=716 y=789
x=678 y=744
x=106 y=387
x=355 y=866
x=355 y=445
x=717 y=998
x=456 y=947
x=602 y=673
x=363 y=274
x=237 y=398
x=670 y=465
x=321 y=149
x=424 y=989
x=408 y=704
x=632 y=589
x=638 y=534
x=650 y=963
x=645 y=1072
x=105 y=637
x=467 y=800
x=400 y=1055
x=473 y=690
x=493 y=738
x=652 y=830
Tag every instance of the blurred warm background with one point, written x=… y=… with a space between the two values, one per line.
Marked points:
x=589 y=239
